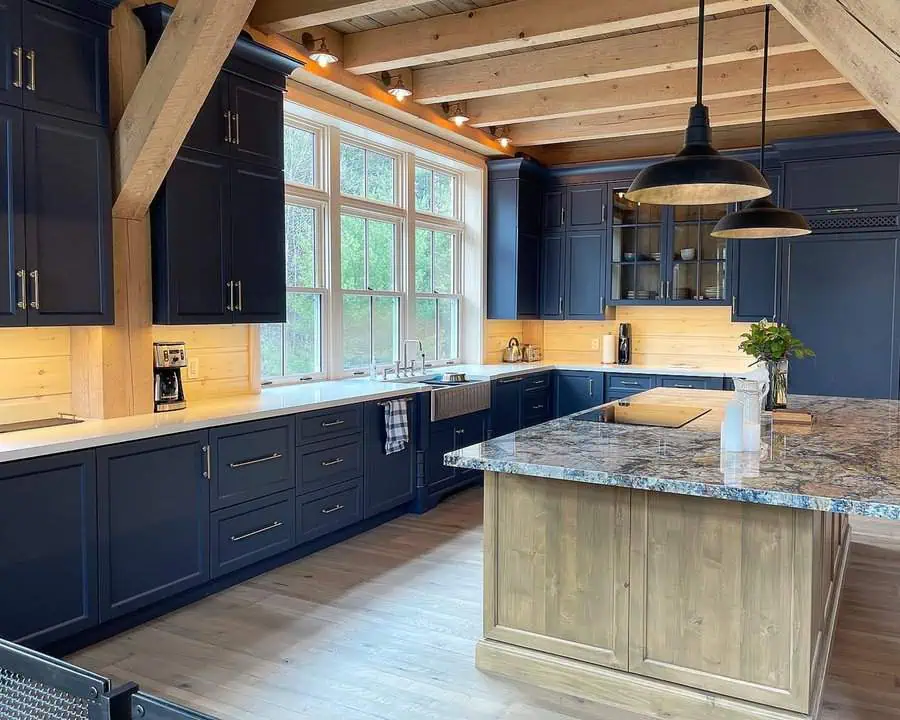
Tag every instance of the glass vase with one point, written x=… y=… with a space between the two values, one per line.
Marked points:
x=778 y=384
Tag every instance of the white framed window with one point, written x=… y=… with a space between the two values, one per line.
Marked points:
x=370 y=289
x=368 y=173
x=437 y=292
x=437 y=191
x=304 y=154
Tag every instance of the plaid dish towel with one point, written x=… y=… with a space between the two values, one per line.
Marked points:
x=396 y=426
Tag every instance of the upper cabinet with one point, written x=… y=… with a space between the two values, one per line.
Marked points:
x=843 y=185
x=217 y=222
x=514 y=235
x=56 y=195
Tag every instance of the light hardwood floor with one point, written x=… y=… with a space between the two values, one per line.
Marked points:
x=385 y=625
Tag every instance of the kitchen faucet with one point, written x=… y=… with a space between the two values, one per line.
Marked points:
x=406 y=365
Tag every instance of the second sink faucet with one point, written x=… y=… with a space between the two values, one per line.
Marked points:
x=406 y=364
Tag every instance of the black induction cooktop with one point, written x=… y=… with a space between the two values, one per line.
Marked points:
x=647 y=414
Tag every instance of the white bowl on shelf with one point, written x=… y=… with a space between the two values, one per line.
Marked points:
x=688 y=253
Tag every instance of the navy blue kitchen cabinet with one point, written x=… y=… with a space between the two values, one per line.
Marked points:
x=68 y=223
x=514 y=233
x=390 y=479
x=846 y=185
x=506 y=405
x=841 y=299
x=554 y=211
x=153 y=504
x=48 y=531
x=217 y=223
x=586 y=267
x=446 y=436
x=687 y=382
x=577 y=390
x=553 y=281
x=537 y=399
x=12 y=219
x=10 y=51
x=586 y=207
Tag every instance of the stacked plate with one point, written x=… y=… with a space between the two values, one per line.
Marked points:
x=638 y=295
x=712 y=292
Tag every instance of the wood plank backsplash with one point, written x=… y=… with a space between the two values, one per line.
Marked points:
x=698 y=336
x=35 y=373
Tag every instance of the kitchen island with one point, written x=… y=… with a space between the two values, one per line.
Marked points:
x=624 y=566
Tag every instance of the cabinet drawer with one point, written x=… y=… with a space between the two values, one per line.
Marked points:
x=326 y=512
x=690 y=383
x=328 y=463
x=536 y=407
x=535 y=383
x=631 y=383
x=330 y=423
x=252 y=460
x=247 y=533
x=613 y=395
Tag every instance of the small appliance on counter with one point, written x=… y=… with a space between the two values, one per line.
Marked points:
x=168 y=391
x=624 y=344
x=512 y=353
x=531 y=353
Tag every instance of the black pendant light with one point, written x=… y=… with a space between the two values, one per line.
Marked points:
x=698 y=175
x=762 y=218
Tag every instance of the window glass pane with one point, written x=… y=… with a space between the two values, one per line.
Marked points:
x=353 y=170
x=299 y=156
x=426 y=329
x=423 y=189
x=448 y=328
x=443 y=194
x=423 y=260
x=379 y=177
x=381 y=255
x=385 y=329
x=300 y=245
x=270 y=350
x=303 y=334
x=356 y=331
x=443 y=262
x=353 y=252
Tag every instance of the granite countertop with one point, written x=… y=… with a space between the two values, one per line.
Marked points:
x=848 y=461
x=523 y=368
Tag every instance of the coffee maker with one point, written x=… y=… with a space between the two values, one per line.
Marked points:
x=624 y=344
x=168 y=391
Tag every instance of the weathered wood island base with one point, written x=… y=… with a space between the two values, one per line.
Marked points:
x=669 y=605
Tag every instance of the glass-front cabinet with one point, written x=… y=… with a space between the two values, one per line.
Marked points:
x=663 y=254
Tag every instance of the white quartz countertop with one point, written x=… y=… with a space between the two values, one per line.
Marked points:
x=273 y=402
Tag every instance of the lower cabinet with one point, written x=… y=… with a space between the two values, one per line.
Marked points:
x=446 y=436
x=48 y=531
x=153 y=503
x=390 y=480
x=506 y=405
x=322 y=512
x=577 y=390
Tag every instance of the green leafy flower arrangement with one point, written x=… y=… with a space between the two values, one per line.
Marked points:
x=771 y=342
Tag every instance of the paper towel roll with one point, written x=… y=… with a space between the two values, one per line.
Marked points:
x=609 y=349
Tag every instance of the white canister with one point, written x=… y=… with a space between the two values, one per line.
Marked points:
x=608 y=353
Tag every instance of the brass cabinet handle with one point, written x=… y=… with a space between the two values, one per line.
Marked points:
x=255 y=461
x=36 y=299
x=239 y=284
x=237 y=128
x=335 y=508
x=22 y=303
x=332 y=462
x=332 y=423
x=17 y=54
x=267 y=528
x=228 y=137
x=230 y=286
x=207 y=460
x=32 y=60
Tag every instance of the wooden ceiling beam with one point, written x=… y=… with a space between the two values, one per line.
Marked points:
x=168 y=96
x=514 y=25
x=861 y=38
x=742 y=78
x=282 y=15
x=727 y=40
x=731 y=111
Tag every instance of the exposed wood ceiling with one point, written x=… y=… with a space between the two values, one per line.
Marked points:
x=567 y=71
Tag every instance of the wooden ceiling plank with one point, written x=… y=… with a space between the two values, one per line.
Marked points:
x=727 y=40
x=861 y=38
x=281 y=15
x=168 y=96
x=786 y=72
x=516 y=25
x=731 y=111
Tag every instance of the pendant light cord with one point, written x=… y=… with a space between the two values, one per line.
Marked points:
x=765 y=89
x=700 y=33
